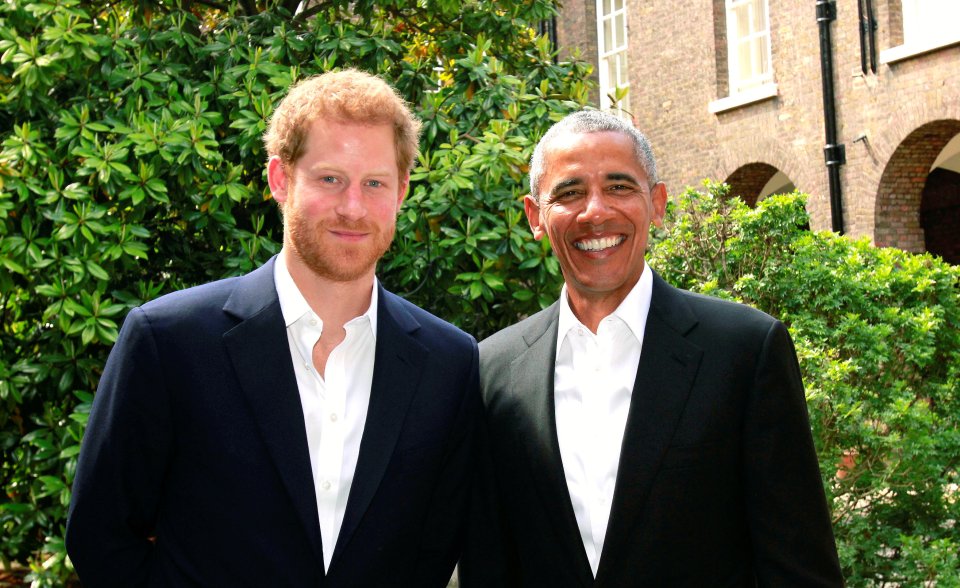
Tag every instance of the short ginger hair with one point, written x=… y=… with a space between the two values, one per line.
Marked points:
x=348 y=95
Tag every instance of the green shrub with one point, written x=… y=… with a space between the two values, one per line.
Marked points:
x=878 y=335
x=131 y=165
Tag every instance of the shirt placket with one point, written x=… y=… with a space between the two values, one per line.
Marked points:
x=330 y=451
x=599 y=392
x=590 y=374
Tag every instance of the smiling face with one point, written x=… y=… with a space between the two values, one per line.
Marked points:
x=596 y=206
x=340 y=199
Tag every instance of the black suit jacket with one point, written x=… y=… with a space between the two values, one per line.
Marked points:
x=718 y=483
x=194 y=469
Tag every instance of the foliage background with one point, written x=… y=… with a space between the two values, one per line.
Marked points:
x=131 y=165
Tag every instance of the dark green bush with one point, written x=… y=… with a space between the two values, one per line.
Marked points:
x=878 y=335
x=131 y=165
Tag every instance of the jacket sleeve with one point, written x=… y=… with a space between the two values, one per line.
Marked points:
x=786 y=508
x=486 y=561
x=119 y=479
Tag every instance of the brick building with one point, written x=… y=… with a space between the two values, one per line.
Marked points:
x=732 y=90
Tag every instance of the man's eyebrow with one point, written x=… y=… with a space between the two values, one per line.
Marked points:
x=566 y=184
x=622 y=177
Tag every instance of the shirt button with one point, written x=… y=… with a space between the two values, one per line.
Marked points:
x=306 y=366
x=333 y=417
x=313 y=322
x=325 y=485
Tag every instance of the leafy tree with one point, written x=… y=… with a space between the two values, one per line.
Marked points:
x=131 y=165
x=878 y=336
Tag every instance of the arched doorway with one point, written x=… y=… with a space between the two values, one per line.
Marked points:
x=902 y=194
x=940 y=205
x=755 y=181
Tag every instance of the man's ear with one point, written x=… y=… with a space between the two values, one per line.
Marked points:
x=402 y=188
x=277 y=179
x=658 y=197
x=532 y=208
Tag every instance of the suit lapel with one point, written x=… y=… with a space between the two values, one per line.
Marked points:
x=531 y=373
x=665 y=375
x=260 y=353
x=399 y=359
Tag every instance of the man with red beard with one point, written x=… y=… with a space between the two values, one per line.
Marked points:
x=300 y=425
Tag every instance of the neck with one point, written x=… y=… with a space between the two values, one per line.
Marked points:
x=335 y=302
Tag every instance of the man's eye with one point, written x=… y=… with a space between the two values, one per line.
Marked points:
x=328 y=179
x=374 y=183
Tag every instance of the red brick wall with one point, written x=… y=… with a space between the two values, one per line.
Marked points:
x=577 y=34
x=676 y=70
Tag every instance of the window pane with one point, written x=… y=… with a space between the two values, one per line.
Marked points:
x=758 y=20
x=748 y=44
x=742 y=20
x=607 y=4
x=744 y=62
x=618 y=4
x=621 y=30
x=760 y=58
x=623 y=78
x=608 y=45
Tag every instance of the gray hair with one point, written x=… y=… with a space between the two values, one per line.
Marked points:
x=591 y=121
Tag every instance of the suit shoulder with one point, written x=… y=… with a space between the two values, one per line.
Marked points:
x=515 y=338
x=714 y=304
x=196 y=299
x=716 y=315
x=434 y=327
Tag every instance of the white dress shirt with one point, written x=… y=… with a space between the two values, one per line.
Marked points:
x=593 y=383
x=335 y=404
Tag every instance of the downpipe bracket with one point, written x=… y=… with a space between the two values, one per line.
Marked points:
x=835 y=155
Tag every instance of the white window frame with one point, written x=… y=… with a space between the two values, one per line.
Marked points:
x=737 y=41
x=927 y=25
x=613 y=58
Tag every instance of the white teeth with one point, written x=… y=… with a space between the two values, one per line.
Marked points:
x=598 y=244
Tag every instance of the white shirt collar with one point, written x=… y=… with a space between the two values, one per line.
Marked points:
x=632 y=311
x=292 y=303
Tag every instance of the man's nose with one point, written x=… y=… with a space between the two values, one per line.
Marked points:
x=351 y=205
x=596 y=209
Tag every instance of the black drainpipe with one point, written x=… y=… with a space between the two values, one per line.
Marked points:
x=834 y=153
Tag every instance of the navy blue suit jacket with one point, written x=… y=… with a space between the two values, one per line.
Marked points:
x=194 y=468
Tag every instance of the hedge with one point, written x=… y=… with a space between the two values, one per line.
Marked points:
x=878 y=335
